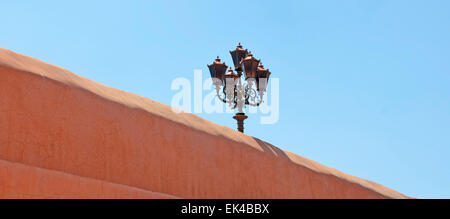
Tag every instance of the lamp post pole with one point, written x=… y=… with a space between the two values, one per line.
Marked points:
x=240 y=117
x=235 y=93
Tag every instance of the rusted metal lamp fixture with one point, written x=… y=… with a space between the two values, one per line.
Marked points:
x=236 y=93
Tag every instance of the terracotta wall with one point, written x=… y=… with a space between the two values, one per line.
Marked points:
x=21 y=181
x=55 y=120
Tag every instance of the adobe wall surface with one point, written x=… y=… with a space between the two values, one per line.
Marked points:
x=22 y=181
x=53 y=119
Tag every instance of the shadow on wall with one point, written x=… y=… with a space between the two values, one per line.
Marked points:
x=270 y=149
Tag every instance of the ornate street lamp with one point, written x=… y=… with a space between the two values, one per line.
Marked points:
x=230 y=86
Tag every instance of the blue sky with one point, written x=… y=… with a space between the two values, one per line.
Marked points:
x=364 y=85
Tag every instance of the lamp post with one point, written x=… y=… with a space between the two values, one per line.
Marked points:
x=230 y=88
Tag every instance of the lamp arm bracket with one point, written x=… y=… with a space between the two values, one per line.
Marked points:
x=260 y=101
x=219 y=96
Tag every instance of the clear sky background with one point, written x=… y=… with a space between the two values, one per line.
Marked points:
x=365 y=85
